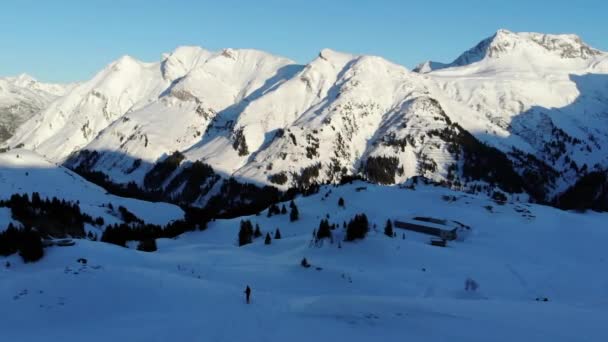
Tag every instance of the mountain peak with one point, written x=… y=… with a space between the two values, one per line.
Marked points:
x=563 y=45
x=125 y=61
x=183 y=59
x=329 y=54
x=535 y=45
x=24 y=80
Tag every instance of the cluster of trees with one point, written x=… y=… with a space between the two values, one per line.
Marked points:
x=589 y=192
x=194 y=180
x=357 y=228
x=324 y=230
x=137 y=230
x=247 y=233
x=537 y=174
x=128 y=216
x=241 y=199
x=162 y=170
x=481 y=162
x=234 y=199
x=239 y=143
x=26 y=241
x=278 y=178
x=382 y=170
x=307 y=177
x=275 y=210
x=50 y=217
x=131 y=189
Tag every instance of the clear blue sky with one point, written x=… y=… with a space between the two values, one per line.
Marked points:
x=69 y=40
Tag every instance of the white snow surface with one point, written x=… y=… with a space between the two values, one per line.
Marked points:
x=379 y=288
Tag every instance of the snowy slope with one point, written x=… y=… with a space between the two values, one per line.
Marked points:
x=21 y=97
x=390 y=288
x=25 y=172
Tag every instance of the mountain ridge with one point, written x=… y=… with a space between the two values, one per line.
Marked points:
x=265 y=119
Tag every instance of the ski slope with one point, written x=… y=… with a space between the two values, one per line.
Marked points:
x=380 y=288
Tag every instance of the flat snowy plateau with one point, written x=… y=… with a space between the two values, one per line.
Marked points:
x=379 y=288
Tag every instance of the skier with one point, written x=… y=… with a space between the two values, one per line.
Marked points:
x=247 y=293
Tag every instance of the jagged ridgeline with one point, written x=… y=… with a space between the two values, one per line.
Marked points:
x=200 y=123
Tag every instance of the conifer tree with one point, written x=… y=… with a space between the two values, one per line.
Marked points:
x=257 y=233
x=245 y=233
x=388 y=229
x=294 y=215
x=324 y=230
x=341 y=202
x=277 y=234
x=268 y=239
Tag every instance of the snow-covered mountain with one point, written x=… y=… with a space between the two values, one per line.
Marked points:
x=542 y=94
x=448 y=153
x=21 y=97
x=521 y=112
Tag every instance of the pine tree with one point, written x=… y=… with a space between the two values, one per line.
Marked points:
x=283 y=210
x=304 y=263
x=324 y=230
x=277 y=234
x=268 y=239
x=273 y=210
x=294 y=215
x=388 y=229
x=257 y=233
x=245 y=233
x=341 y=202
